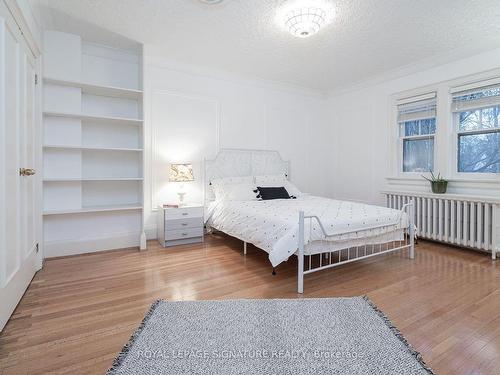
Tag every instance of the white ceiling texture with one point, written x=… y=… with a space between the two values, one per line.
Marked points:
x=367 y=38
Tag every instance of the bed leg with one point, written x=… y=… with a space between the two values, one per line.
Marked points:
x=300 y=268
x=412 y=229
x=244 y=248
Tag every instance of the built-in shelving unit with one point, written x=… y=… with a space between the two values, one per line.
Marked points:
x=62 y=147
x=93 y=145
x=93 y=179
x=100 y=90
x=97 y=119
x=118 y=207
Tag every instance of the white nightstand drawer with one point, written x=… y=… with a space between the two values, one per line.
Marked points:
x=180 y=226
x=194 y=222
x=183 y=212
x=178 y=234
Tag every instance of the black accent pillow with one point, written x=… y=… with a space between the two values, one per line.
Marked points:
x=267 y=193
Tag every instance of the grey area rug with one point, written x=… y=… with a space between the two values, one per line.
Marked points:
x=294 y=336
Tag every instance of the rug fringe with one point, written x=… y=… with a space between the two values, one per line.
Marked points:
x=399 y=335
x=126 y=348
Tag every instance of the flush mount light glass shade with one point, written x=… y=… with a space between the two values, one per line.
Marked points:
x=181 y=173
x=303 y=18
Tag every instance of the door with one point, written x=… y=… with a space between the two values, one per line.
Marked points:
x=20 y=213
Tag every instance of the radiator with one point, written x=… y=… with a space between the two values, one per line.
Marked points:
x=455 y=219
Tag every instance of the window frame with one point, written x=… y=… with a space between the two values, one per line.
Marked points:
x=412 y=96
x=456 y=133
x=404 y=138
x=445 y=138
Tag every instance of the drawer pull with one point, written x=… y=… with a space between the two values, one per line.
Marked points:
x=184 y=234
x=185 y=214
x=184 y=224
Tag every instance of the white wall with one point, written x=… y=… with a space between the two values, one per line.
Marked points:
x=360 y=118
x=190 y=113
x=338 y=146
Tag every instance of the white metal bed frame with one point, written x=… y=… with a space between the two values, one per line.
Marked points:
x=239 y=163
x=407 y=243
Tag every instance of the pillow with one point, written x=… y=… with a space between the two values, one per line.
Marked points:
x=292 y=189
x=267 y=193
x=240 y=192
x=219 y=184
x=270 y=180
x=233 y=180
x=218 y=190
x=278 y=180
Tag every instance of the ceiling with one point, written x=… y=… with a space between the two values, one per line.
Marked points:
x=367 y=37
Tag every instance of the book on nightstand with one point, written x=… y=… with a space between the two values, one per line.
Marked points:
x=171 y=205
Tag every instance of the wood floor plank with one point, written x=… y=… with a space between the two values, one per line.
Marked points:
x=79 y=311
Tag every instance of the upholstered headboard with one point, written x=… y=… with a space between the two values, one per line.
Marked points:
x=236 y=163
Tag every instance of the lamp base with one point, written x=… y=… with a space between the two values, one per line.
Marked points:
x=181 y=195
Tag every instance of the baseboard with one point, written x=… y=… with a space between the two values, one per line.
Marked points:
x=151 y=233
x=91 y=245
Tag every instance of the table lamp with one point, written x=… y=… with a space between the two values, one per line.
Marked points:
x=181 y=173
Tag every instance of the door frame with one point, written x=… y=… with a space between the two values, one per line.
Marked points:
x=17 y=27
x=32 y=40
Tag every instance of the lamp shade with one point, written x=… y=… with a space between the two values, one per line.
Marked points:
x=181 y=173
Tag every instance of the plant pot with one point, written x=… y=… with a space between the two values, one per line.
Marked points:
x=439 y=187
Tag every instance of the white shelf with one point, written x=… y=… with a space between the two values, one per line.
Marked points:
x=92 y=89
x=92 y=148
x=93 y=179
x=93 y=130
x=106 y=119
x=121 y=207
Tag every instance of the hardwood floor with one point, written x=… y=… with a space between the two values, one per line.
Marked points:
x=79 y=311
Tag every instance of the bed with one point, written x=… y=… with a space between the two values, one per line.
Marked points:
x=323 y=233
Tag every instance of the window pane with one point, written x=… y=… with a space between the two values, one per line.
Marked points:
x=470 y=120
x=490 y=117
x=418 y=127
x=418 y=155
x=479 y=153
x=486 y=93
x=428 y=126
x=486 y=118
x=410 y=128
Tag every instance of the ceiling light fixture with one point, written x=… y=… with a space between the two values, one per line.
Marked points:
x=303 y=18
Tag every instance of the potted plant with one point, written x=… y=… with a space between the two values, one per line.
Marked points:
x=438 y=184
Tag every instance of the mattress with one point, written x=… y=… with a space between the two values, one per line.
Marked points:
x=273 y=225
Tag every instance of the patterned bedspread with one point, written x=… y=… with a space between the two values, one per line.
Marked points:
x=272 y=225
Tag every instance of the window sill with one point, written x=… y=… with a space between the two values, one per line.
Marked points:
x=460 y=186
x=419 y=178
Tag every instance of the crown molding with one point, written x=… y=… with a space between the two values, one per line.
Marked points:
x=30 y=30
x=159 y=61
x=423 y=65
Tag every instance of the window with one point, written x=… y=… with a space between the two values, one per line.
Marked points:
x=476 y=114
x=417 y=127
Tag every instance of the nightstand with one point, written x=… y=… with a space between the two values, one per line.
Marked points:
x=179 y=226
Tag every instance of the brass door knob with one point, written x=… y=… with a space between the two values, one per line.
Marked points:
x=26 y=171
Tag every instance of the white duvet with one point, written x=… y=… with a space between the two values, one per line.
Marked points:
x=272 y=225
